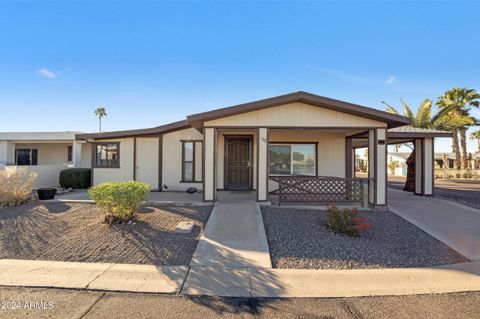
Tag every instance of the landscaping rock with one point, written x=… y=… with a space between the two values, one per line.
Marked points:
x=298 y=238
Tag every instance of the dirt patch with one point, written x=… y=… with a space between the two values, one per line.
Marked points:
x=76 y=232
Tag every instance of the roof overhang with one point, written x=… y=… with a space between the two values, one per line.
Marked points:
x=407 y=132
x=163 y=129
x=392 y=120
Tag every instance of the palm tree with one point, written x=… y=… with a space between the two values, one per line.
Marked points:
x=422 y=119
x=476 y=136
x=100 y=112
x=455 y=104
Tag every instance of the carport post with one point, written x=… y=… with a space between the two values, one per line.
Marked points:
x=377 y=167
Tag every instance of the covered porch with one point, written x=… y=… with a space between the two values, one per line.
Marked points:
x=285 y=131
x=293 y=165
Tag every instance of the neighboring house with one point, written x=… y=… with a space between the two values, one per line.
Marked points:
x=401 y=158
x=448 y=161
x=45 y=153
x=243 y=147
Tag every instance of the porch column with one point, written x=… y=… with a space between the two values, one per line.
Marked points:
x=424 y=166
x=371 y=166
x=349 y=158
x=381 y=174
x=377 y=168
x=209 y=160
x=262 y=164
x=77 y=154
x=3 y=152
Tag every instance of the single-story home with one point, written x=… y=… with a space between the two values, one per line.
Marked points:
x=45 y=153
x=298 y=146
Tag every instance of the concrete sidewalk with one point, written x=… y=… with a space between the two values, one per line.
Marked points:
x=240 y=282
x=96 y=276
x=234 y=237
x=258 y=282
x=456 y=225
x=154 y=198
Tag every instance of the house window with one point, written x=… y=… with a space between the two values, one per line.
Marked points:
x=26 y=156
x=107 y=155
x=188 y=161
x=292 y=159
x=69 y=153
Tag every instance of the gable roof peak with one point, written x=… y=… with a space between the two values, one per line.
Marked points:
x=393 y=120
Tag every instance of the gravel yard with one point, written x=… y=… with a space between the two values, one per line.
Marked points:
x=297 y=238
x=76 y=232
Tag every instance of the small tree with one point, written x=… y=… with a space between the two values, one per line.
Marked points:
x=393 y=165
x=119 y=200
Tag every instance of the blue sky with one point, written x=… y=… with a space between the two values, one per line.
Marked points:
x=151 y=63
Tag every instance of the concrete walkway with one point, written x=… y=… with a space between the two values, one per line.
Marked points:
x=233 y=237
x=454 y=224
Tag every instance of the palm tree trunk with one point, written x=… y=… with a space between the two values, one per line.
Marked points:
x=463 y=145
x=478 y=145
x=100 y=124
x=455 y=148
x=410 y=182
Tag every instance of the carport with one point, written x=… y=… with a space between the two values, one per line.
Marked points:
x=423 y=147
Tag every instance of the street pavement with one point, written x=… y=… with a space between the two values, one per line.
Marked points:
x=464 y=192
x=68 y=303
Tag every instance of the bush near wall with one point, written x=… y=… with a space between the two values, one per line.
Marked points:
x=119 y=200
x=76 y=178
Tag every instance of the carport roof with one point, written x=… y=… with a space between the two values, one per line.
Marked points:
x=409 y=131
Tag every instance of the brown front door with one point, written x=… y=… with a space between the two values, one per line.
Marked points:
x=238 y=163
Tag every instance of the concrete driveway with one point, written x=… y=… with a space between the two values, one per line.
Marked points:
x=454 y=224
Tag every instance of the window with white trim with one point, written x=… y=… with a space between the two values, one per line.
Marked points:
x=188 y=161
x=292 y=159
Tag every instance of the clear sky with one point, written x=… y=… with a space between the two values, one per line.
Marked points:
x=151 y=63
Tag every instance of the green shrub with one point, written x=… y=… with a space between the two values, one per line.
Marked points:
x=346 y=222
x=119 y=200
x=77 y=178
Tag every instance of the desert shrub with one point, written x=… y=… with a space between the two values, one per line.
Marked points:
x=119 y=200
x=347 y=221
x=77 y=178
x=16 y=185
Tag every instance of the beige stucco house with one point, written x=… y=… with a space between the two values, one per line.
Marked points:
x=298 y=146
x=45 y=153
